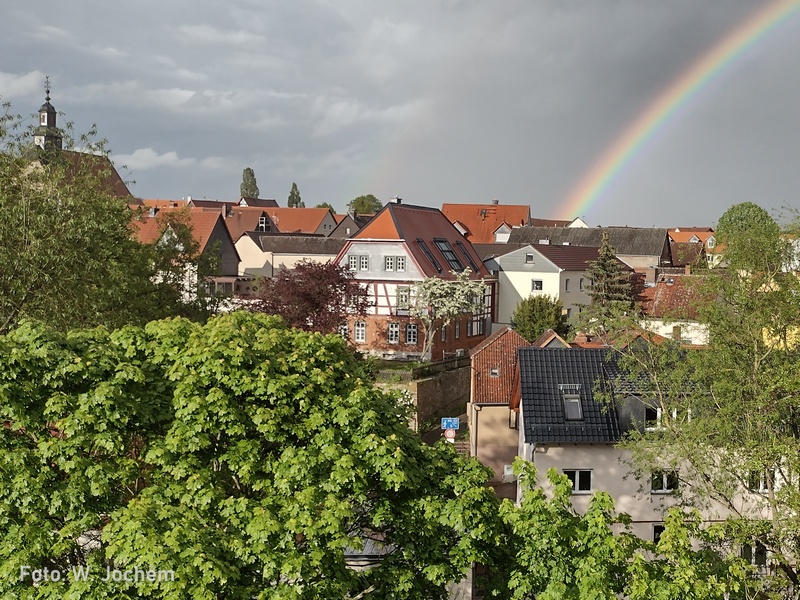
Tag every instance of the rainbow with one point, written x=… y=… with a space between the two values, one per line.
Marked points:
x=680 y=91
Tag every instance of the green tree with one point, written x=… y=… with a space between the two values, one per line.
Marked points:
x=435 y=302
x=326 y=205
x=67 y=254
x=536 y=314
x=249 y=187
x=730 y=417
x=611 y=291
x=364 y=205
x=248 y=458
x=294 y=200
x=555 y=552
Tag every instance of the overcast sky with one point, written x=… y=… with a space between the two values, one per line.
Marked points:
x=431 y=100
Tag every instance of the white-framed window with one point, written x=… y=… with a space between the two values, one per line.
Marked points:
x=393 y=333
x=529 y=258
x=412 y=333
x=444 y=333
x=352 y=262
x=344 y=331
x=663 y=482
x=654 y=417
x=400 y=261
x=360 y=331
x=580 y=283
x=494 y=372
x=388 y=263
x=581 y=480
x=457 y=329
x=536 y=285
x=43 y=118
x=363 y=262
x=571 y=397
x=658 y=529
x=403 y=298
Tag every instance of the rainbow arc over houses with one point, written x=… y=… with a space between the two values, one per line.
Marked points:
x=614 y=159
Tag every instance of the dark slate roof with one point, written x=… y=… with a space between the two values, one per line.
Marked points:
x=633 y=241
x=298 y=244
x=542 y=372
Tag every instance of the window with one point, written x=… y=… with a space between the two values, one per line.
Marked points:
x=581 y=480
x=449 y=254
x=470 y=328
x=466 y=255
x=571 y=396
x=411 y=333
x=262 y=224
x=401 y=263
x=569 y=313
x=663 y=482
x=580 y=283
x=536 y=285
x=444 y=333
x=388 y=263
x=352 y=262
x=529 y=258
x=572 y=407
x=760 y=481
x=652 y=418
x=457 y=328
x=394 y=333
x=344 y=331
x=403 y=298
x=360 y=331
x=755 y=554
x=427 y=252
x=494 y=372
x=363 y=263
x=566 y=285
x=657 y=531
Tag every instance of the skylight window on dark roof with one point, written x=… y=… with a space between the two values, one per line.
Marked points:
x=449 y=254
x=467 y=255
x=571 y=396
x=427 y=252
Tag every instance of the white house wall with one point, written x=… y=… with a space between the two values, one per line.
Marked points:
x=692 y=332
x=252 y=260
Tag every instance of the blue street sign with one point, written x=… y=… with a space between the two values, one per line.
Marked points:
x=450 y=423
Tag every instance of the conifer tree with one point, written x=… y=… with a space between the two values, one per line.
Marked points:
x=611 y=290
x=294 y=200
x=249 y=187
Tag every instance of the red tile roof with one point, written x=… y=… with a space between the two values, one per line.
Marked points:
x=420 y=227
x=297 y=220
x=498 y=351
x=482 y=220
x=148 y=230
x=673 y=297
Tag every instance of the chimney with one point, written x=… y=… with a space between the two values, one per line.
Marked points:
x=397 y=200
x=495 y=202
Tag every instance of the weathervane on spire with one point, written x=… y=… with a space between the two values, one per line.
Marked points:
x=47 y=88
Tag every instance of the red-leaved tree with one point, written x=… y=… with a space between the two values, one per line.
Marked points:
x=313 y=296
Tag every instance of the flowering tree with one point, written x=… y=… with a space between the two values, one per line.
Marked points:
x=436 y=302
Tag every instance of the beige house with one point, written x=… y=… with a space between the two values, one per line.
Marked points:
x=541 y=270
x=262 y=254
x=563 y=425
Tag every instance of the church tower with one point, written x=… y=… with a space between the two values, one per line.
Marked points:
x=46 y=136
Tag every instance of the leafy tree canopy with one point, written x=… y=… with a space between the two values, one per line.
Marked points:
x=536 y=314
x=294 y=200
x=365 y=205
x=67 y=254
x=249 y=187
x=247 y=458
x=326 y=205
x=313 y=296
x=750 y=238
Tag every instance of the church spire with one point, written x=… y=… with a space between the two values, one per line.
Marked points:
x=46 y=136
